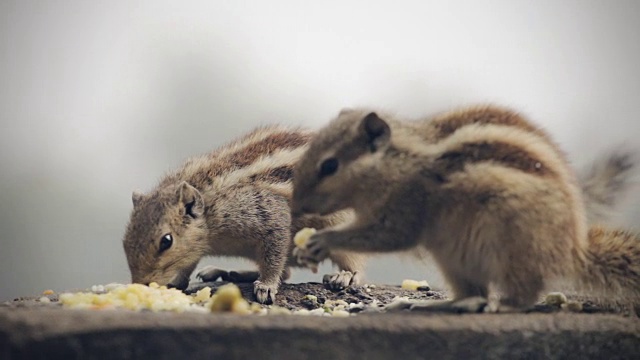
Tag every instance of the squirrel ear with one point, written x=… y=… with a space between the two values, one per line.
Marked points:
x=136 y=197
x=377 y=131
x=191 y=199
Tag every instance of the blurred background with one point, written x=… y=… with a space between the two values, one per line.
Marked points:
x=98 y=99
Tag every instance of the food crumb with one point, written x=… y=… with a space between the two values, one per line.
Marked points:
x=555 y=299
x=48 y=292
x=135 y=297
x=203 y=294
x=228 y=298
x=414 y=285
x=302 y=237
x=340 y=313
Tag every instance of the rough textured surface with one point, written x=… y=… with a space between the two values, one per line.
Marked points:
x=29 y=330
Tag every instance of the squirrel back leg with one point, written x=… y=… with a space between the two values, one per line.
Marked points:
x=463 y=288
x=519 y=284
x=518 y=297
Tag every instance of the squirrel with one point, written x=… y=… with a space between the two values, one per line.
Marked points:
x=231 y=202
x=487 y=193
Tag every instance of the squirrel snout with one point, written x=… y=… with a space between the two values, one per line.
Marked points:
x=297 y=209
x=179 y=286
x=296 y=212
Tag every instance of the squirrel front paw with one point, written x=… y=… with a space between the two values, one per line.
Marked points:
x=341 y=280
x=265 y=293
x=315 y=250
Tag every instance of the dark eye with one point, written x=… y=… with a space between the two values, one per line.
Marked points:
x=328 y=167
x=166 y=242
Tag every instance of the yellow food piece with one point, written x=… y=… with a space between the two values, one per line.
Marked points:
x=48 y=292
x=229 y=299
x=302 y=237
x=340 y=313
x=277 y=310
x=203 y=294
x=555 y=299
x=409 y=284
x=134 y=297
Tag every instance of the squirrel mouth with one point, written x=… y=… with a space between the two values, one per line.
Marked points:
x=179 y=282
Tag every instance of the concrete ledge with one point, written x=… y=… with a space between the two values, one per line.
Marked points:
x=51 y=332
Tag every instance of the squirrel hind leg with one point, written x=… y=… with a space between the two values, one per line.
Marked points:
x=463 y=288
x=517 y=295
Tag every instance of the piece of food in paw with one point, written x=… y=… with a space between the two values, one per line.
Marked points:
x=302 y=237
x=414 y=285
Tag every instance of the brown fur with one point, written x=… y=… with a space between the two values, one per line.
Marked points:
x=232 y=202
x=502 y=153
x=486 y=192
x=446 y=124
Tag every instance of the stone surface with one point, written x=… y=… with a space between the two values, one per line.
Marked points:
x=30 y=330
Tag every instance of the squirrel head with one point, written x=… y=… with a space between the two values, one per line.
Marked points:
x=341 y=157
x=165 y=237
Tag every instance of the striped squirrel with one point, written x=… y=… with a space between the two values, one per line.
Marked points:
x=487 y=193
x=231 y=202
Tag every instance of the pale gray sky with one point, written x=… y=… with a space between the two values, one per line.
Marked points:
x=100 y=98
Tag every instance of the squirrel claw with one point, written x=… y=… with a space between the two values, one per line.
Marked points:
x=265 y=294
x=212 y=273
x=341 y=280
x=313 y=254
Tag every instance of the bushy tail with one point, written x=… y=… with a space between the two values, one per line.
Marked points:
x=605 y=183
x=610 y=266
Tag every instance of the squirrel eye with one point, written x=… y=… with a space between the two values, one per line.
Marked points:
x=166 y=242
x=328 y=167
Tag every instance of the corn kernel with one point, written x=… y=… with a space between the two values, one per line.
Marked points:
x=302 y=237
x=409 y=284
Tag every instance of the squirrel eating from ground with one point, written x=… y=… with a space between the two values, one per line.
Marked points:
x=486 y=192
x=231 y=202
